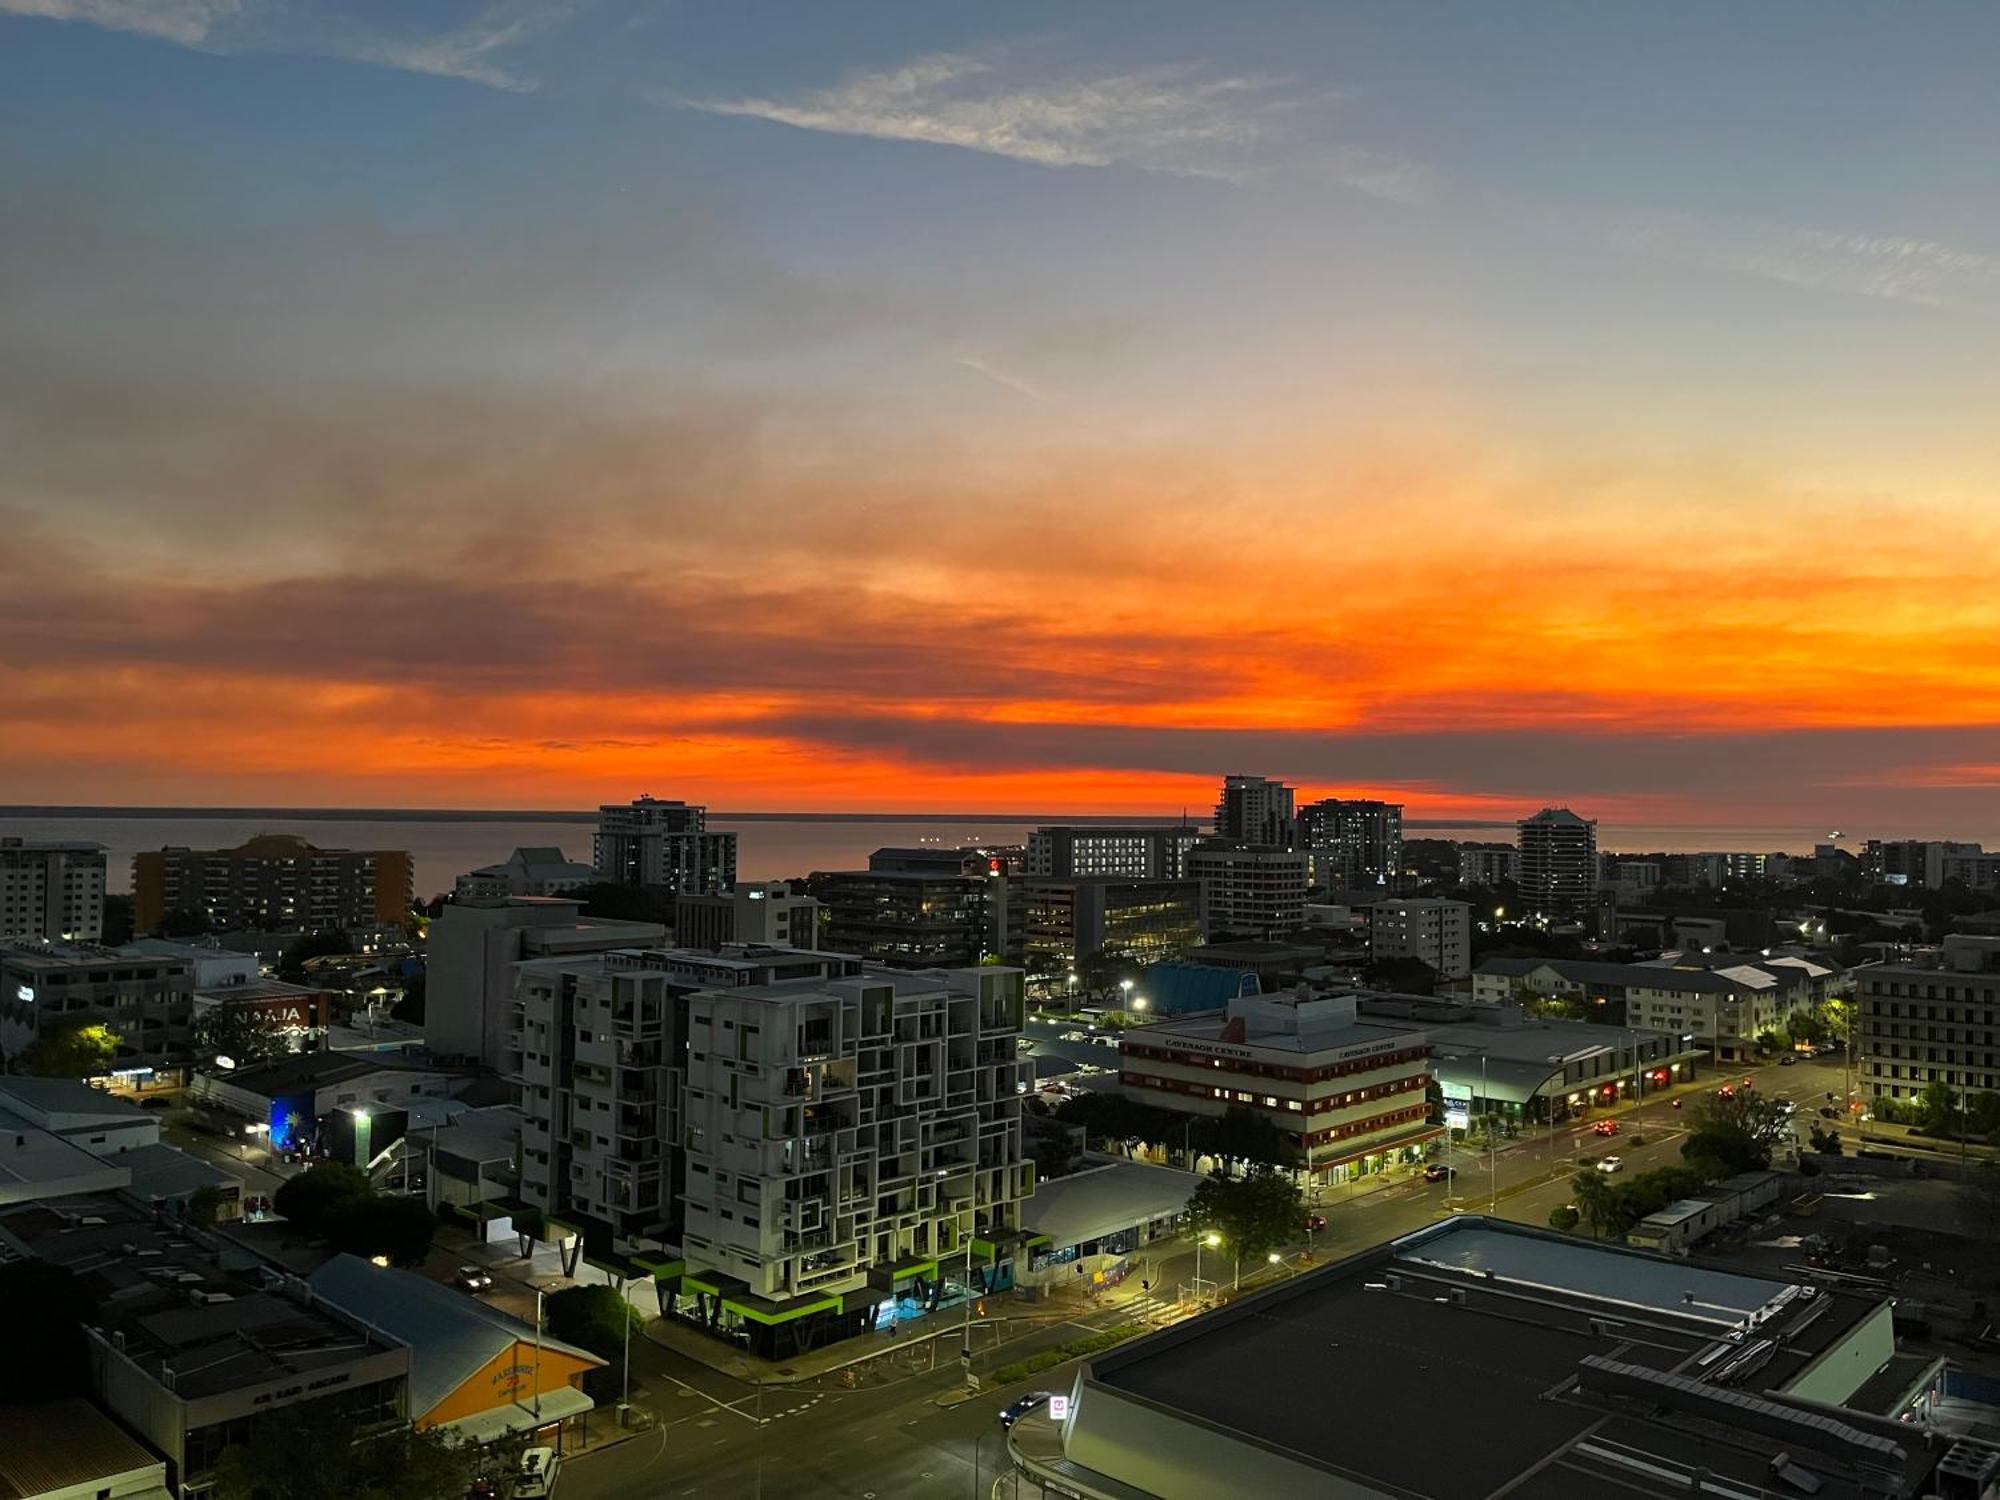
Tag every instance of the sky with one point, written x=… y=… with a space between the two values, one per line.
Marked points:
x=1033 y=407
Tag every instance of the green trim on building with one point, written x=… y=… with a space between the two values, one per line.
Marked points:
x=661 y=1270
x=914 y=1268
x=556 y=1226
x=695 y=1284
x=830 y=1303
x=1034 y=1240
x=985 y=1248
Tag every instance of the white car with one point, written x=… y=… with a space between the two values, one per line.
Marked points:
x=1609 y=1164
x=538 y=1475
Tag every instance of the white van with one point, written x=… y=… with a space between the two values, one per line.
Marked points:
x=538 y=1475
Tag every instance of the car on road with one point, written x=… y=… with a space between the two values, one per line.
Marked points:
x=156 y=1102
x=1609 y=1164
x=472 y=1279
x=1605 y=1127
x=1033 y=1401
x=1789 y=1060
x=1437 y=1171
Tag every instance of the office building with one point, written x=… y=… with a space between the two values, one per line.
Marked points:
x=1488 y=864
x=1931 y=863
x=767 y=912
x=1054 y=925
x=187 y=1351
x=1601 y=1371
x=911 y=918
x=1557 y=871
x=1072 y=850
x=275 y=882
x=663 y=846
x=470 y=1010
x=1932 y=1020
x=1725 y=1008
x=1719 y=869
x=1436 y=931
x=1253 y=893
x=1354 y=843
x=538 y=871
x=146 y=1000
x=51 y=890
x=1255 y=810
x=1351 y=1094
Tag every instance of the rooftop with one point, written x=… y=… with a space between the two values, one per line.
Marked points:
x=304 y=1070
x=1592 y=1370
x=1101 y=1200
x=59 y=1445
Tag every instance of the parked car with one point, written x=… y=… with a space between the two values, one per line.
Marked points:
x=1437 y=1171
x=1790 y=1059
x=1605 y=1127
x=1033 y=1401
x=472 y=1279
x=1609 y=1164
x=538 y=1475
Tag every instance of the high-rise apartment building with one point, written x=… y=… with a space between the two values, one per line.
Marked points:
x=1930 y=863
x=1255 y=810
x=1250 y=892
x=1353 y=842
x=1488 y=864
x=1075 y=850
x=765 y=911
x=1436 y=931
x=1558 y=870
x=813 y=1134
x=275 y=882
x=911 y=918
x=664 y=845
x=52 y=890
x=1933 y=1020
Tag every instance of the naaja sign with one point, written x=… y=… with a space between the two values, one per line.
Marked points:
x=514 y=1376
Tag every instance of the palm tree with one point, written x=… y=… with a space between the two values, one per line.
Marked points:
x=1596 y=1201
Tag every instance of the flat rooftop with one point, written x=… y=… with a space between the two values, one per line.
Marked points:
x=1478 y=1359
x=1208 y=1027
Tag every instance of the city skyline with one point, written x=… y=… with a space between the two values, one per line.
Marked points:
x=517 y=405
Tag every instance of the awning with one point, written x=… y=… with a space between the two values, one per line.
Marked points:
x=488 y=1426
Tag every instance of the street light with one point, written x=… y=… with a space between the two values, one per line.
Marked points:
x=1138 y=1002
x=1211 y=1239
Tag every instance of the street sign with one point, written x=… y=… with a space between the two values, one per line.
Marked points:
x=1058 y=1408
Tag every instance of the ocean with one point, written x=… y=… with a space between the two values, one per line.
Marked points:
x=770 y=846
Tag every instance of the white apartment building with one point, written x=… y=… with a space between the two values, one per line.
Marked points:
x=1933 y=1020
x=1487 y=864
x=1437 y=931
x=653 y=842
x=51 y=890
x=1724 y=1003
x=768 y=912
x=1256 y=810
x=471 y=1010
x=1258 y=893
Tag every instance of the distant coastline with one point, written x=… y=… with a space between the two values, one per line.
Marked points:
x=507 y=815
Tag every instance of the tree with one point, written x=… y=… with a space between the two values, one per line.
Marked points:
x=1053 y=1155
x=314 y=1198
x=1404 y=976
x=80 y=1050
x=184 y=924
x=597 y=1318
x=1254 y=1215
x=1596 y=1204
x=1827 y=1142
x=46 y=1310
x=1734 y=1133
x=239 y=1033
x=324 y=944
x=411 y=1007
x=316 y=1451
x=1937 y=1109
x=1563 y=1218
x=399 y=1229
x=1243 y=1138
x=204 y=1205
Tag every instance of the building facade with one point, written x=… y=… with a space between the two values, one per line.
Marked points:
x=663 y=845
x=147 y=1001
x=1354 y=843
x=1259 y=893
x=766 y=912
x=1724 y=1008
x=1256 y=810
x=1436 y=931
x=1557 y=869
x=51 y=890
x=275 y=882
x=1067 y=851
x=1488 y=864
x=911 y=918
x=1054 y=925
x=1936 y=1020
x=1352 y=1095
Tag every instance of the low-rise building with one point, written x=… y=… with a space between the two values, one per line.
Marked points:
x=1353 y=1095
x=51 y=889
x=1724 y=1008
x=542 y=870
x=294 y=1011
x=1054 y=925
x=1603 y=1371
x=1437 y=932
x=69 y=1450
x=1084 y=1228
x=294 y=1096
x=145 y=1000
x=188 y=1352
